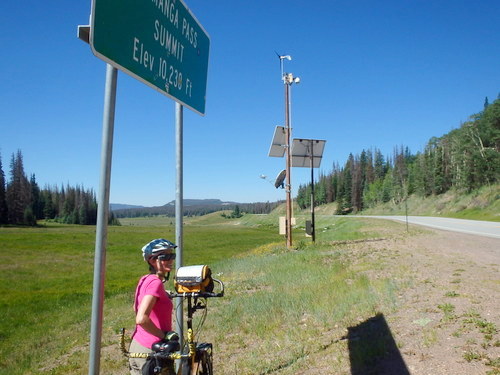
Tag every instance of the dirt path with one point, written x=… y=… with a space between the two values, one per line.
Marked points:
x=446 y=319
x=449 y=317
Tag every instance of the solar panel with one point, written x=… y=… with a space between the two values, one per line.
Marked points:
x=278 y=144
x=304 y=149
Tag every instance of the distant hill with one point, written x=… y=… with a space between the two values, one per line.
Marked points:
x=187 y=203
x=120 y=206
x=192 y=207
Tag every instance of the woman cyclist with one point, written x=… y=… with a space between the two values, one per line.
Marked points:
x=152 y=305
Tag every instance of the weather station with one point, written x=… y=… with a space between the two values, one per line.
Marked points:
x=280 y=145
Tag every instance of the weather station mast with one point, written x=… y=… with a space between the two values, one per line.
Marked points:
x=288 y=80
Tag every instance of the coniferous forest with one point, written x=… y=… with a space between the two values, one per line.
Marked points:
x=464 y=159
x=22 y=202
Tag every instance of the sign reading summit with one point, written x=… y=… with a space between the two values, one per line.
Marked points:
x=159 y=42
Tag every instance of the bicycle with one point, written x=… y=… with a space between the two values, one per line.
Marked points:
x=195 y=358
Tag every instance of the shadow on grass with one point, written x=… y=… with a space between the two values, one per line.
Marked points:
x=372 y=349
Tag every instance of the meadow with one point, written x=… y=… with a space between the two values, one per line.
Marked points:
x=46 y=289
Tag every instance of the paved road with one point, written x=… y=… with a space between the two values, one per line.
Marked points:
x=482 y=228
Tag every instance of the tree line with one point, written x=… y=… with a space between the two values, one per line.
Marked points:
x=464 y=159
x=22 y=202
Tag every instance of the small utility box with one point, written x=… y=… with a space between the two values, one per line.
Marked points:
x=309 y=228
x=282 y=224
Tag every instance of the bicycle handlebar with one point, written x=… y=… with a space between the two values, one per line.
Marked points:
x=197 y=294
x=201 y=294
x=172 y=356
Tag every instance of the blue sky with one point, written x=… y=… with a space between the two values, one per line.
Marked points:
x=373 y=74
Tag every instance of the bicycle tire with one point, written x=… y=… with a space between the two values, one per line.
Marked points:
x=206 y=364
x=185 y=367
x=202 y=365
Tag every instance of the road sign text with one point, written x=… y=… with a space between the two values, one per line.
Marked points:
x=157 y=41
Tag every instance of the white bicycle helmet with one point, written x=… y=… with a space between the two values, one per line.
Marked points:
x=156 y=246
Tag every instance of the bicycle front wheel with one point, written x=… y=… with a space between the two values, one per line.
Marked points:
x=202 y=362
x=205 y=363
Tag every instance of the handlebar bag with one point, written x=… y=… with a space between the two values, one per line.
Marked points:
x=194 y=279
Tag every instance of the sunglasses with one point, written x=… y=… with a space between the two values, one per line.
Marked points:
x=170 y=256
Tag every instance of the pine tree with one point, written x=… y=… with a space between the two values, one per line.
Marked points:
x=380 y=167
x=18 y=192
x=345 y=188
x=36 y=202
x=320 y=191
x=348 y=172
x=49 y=211
x=369 y=170
x=400 y=174
x=301 y=198
x=357 y=184
x=387 y=187
x=236 y=212
x=4 y=218
x=330 y=193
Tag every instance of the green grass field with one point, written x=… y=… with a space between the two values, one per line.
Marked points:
x=46 y=289
x=47 y=274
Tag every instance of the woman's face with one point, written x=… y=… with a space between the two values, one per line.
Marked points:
x=164 y=262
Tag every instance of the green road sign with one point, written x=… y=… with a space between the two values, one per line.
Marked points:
x=159 y=42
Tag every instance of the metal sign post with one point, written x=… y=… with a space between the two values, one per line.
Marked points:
x=179 y=212
x=108 y=123
x=162 y=44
